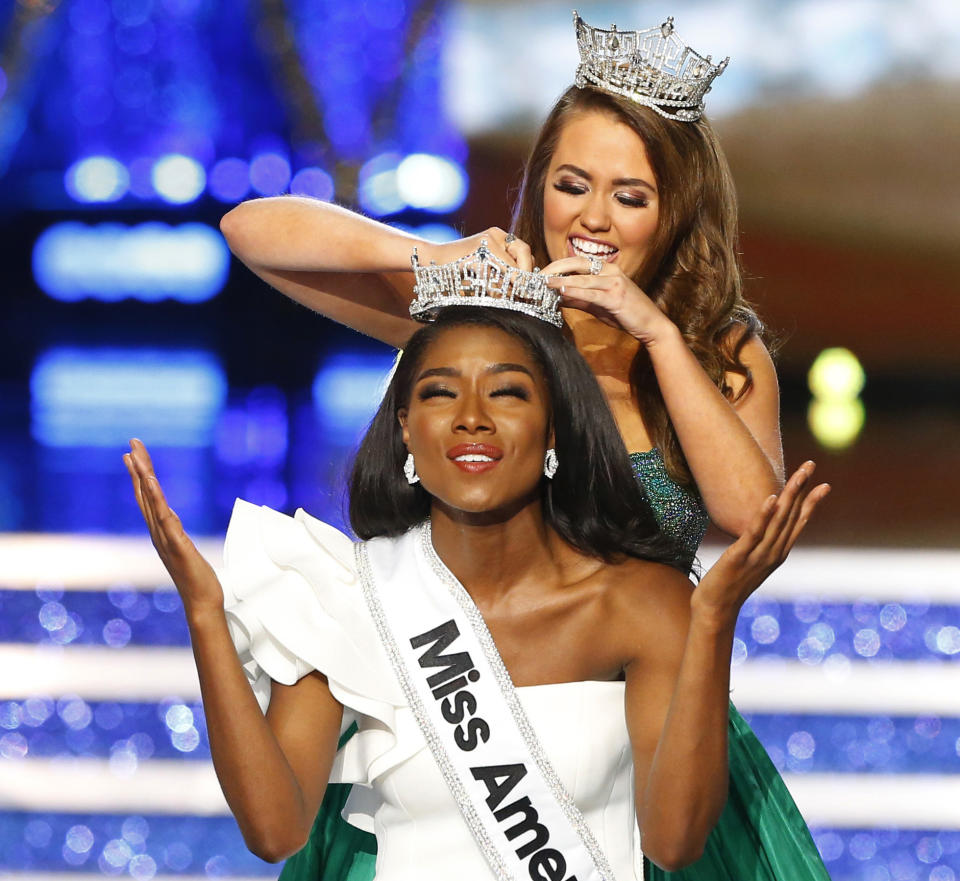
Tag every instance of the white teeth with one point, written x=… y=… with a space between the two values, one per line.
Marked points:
x=474 y=457
x=583 y=248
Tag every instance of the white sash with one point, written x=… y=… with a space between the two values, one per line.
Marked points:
x=524 y=821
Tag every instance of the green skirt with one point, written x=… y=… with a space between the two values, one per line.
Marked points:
x=760 y=836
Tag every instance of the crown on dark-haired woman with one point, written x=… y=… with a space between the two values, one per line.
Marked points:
x=653 y=67
x=482 y=279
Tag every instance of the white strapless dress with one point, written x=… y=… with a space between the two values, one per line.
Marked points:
x=294 y=604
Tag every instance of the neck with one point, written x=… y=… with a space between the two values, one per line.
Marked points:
x=494 y=552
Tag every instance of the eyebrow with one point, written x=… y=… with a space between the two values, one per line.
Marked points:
x=618 y=182
x=502 y=367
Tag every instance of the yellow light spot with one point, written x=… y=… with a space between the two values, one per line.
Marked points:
x=836 y=375
x=836 y=424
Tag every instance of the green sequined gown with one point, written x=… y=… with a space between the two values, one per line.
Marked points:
x=760 y=836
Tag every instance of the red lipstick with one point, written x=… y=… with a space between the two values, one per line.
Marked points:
x=475 y=458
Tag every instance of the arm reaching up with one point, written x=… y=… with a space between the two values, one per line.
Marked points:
x=273 y=770
x=339 y=263
x=678 y=688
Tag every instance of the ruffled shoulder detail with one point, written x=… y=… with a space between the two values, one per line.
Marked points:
x=293 y=603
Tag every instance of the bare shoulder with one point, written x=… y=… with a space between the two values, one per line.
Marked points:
x=755 y=356
x=645 y=599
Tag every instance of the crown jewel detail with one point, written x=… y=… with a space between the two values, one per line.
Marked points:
x=481 y=279
x=653 y=67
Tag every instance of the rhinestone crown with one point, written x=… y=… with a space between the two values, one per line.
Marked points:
x=481 y=279
x=653 y=67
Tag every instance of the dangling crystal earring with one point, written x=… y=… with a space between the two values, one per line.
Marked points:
x=410 y=470
x=550 y=463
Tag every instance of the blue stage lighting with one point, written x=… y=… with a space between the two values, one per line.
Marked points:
x=432 y=232
x=229 y=180
x=151 y=261
x=97 y=179
x=178 y=179
x=269 y=174
x=313 y=182
x=437 y=232
x=377 y=192
x=141 y=178
x=103 y=397
x=347 y=390
x=431 y=183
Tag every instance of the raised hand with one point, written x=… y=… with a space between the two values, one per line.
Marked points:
x=193 y=576
x=610 y=296
x=746 y=564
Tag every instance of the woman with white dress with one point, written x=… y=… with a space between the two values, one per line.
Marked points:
x=583 y=713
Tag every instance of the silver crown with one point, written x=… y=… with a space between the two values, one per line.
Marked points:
x=481 y=279
x=652 y=67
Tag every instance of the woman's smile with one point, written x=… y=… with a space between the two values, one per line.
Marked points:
x=475 y=458
x=582 y=246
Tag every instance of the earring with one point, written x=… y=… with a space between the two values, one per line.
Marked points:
x=410 y=470
x=550 y=463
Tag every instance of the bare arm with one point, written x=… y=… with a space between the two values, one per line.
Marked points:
x=339 y=263
x=679 y=681
x=733 y=450
x=334 y=261
x=273 y=770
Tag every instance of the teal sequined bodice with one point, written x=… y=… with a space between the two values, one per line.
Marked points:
x=679 y=511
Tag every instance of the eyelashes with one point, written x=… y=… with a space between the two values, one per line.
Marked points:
x=434 y=391
x=439 y=391
x=577 y=190
x=633 y=201
x=517 y=391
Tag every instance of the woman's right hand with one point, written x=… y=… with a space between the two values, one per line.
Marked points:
x=515 y=253
x=192 y=575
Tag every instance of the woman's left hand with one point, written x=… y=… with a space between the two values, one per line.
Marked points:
x=610 y=296
x=747 y=563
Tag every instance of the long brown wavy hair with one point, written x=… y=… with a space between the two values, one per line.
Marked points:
x=692 y=271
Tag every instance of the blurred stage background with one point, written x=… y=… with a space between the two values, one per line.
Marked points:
x=128 y=127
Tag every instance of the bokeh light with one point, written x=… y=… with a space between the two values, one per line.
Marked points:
x=149 y=261
x=836 y=424
x=431 y=183
x=313 y=182
x=836 y=414
x=178 y=179
x=836 y=375
x=97 y=179
x=269 y=174
x=229 y=180
x=377 y=193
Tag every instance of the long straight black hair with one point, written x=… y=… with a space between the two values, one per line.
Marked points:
x=594 y=502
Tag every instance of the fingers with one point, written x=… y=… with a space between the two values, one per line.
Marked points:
x=162 y=522
x=788 y=508
x=582 y=282
x=135 y=480
x=520 y=251
x=791 y=512
x=814 y=498
x=496 y=239
x=578 y=265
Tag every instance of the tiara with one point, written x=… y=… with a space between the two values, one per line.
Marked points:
x=652 y=67
x=481 y=279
